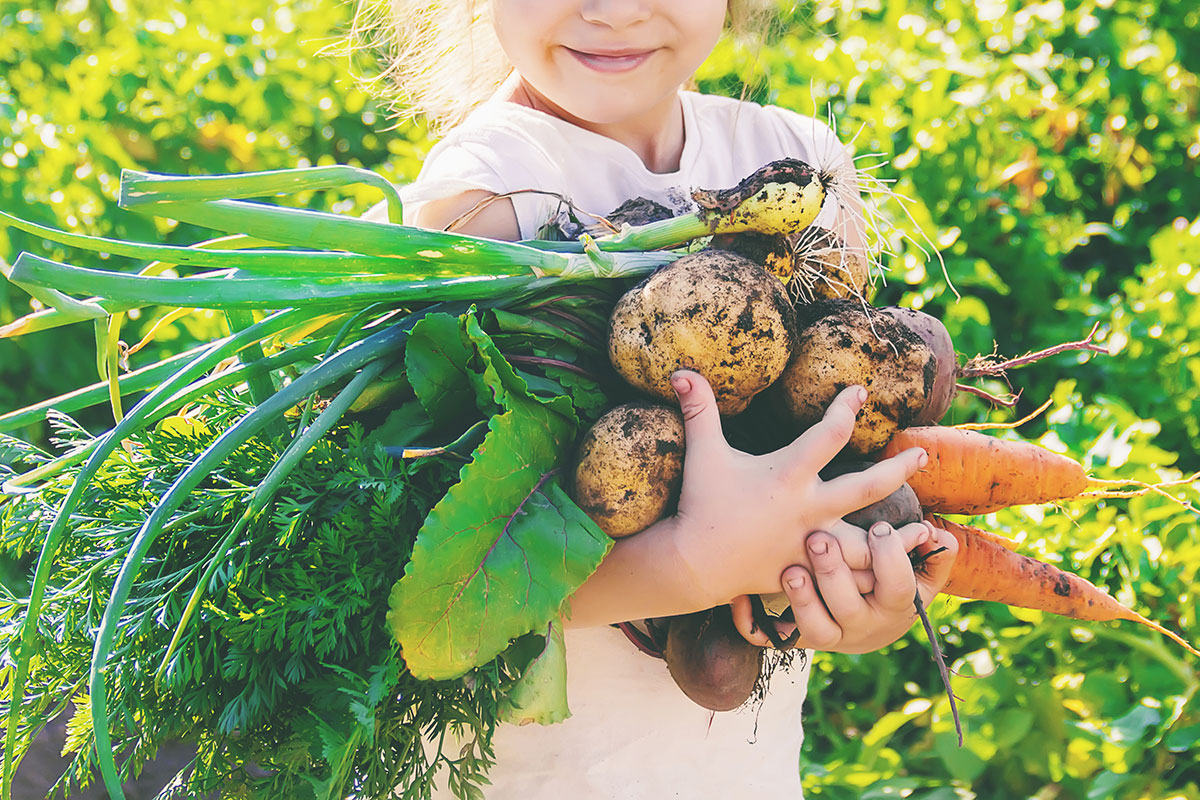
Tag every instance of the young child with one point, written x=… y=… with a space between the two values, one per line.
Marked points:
x=590 y=107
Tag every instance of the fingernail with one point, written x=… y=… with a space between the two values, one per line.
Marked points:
x=881 y=529
x=796 y=583
x=819 y=547
x=680 y=383
x=861 y=394
x=924 y=537
x=923 y=459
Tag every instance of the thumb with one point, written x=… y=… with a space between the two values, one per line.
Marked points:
x=936 y=569
x=701 y=420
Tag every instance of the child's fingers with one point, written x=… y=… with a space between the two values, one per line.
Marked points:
x=934 y=572
x=818 y=630
x=864 y=580
x=852 y=540
x=817 y=446
x=836 y=584
x=856 y=490
x=743 y=620
x=914 y=534
x=701 y=420
x=857 y=554
x=895 y=585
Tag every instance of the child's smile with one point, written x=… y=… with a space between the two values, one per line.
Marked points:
x=622 y=60
x=612 y=66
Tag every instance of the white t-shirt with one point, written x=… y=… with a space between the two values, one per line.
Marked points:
x=632 y=734
x=505 y=147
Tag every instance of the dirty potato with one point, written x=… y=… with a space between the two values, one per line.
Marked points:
x=629 y=467
x=713 y=312
x=843 y=344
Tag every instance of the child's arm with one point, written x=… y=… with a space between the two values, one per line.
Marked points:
x=742 y=520
x=495 y=220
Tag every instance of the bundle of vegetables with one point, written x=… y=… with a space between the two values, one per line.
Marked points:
x=394 y=414
x=775 y=368
x=383 y=425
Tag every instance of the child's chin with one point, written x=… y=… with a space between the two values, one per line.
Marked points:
x=608 y=107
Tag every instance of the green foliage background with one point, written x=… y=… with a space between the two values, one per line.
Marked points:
x=1051 y=152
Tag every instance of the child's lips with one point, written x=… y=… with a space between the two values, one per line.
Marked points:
x=611 y=61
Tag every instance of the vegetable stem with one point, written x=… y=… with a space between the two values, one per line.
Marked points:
x=138 y=188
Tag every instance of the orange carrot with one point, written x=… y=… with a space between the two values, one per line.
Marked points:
x=991 y=536
x=985 y=570
x=973 y=473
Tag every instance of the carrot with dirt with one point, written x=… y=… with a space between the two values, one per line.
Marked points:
x=973 y=473
x=985 y=569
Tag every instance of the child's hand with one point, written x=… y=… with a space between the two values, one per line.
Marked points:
x=744 y=519
x=849 y=621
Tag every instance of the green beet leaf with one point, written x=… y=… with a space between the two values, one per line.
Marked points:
x=540 y=695
x=499 y=554
x=498 y=381
x=456 y=368
x=438 y=359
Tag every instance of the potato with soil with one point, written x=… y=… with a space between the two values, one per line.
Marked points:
x=713 y=312
x=710 y=661
x=629 y=467
x=841 y=344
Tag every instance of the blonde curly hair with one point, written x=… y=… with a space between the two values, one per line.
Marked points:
x=439 y=59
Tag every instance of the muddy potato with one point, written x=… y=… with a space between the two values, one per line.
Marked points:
x=713 y=312
x=839 y=345
x=710 y=661
x=629 y=467
x=933 y=333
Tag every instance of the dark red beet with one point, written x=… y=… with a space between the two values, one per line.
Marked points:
x=934 y=334
x=710 y=661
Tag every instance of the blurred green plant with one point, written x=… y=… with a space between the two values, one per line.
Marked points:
x=89 y=89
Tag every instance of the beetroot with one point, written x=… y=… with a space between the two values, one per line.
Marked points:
x=710 y=661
